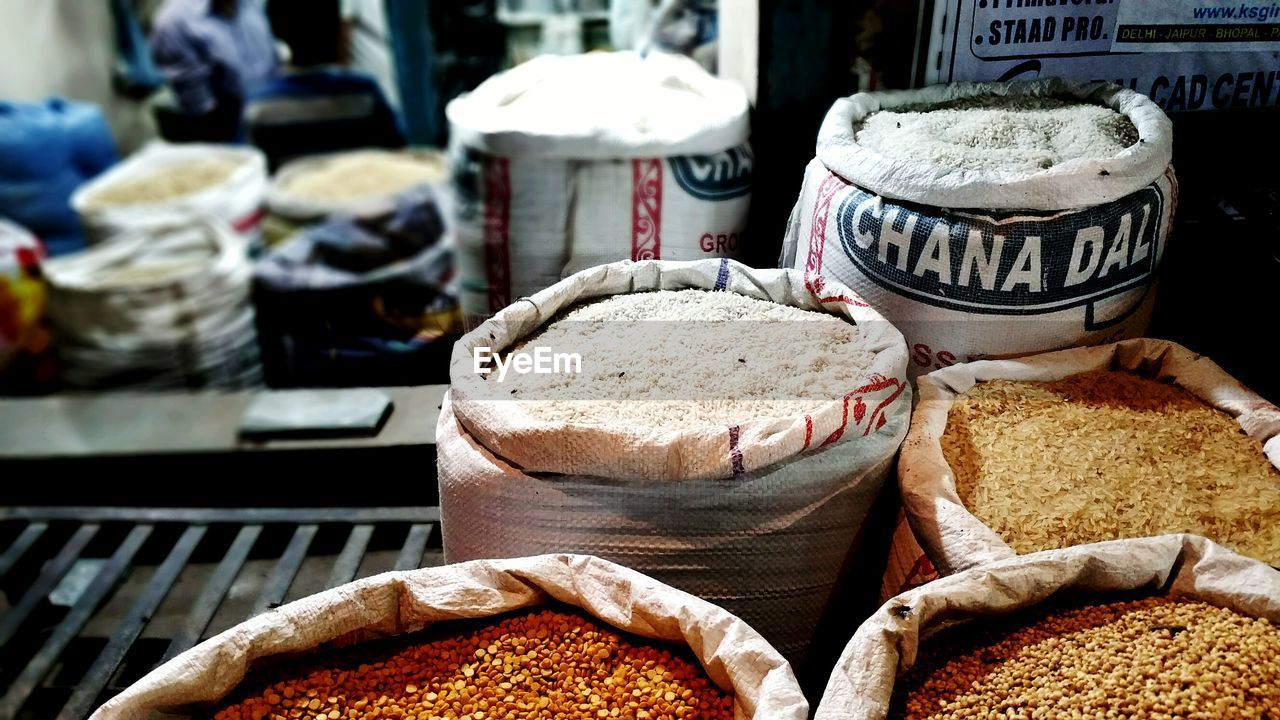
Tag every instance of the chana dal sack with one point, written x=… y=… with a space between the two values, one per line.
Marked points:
x=1168 y=626
x=991 y=219
x=605 y=599
x=1135 y=438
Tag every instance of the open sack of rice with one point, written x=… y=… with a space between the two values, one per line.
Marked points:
x=362 y=183
x=567 y=162
x=1131 y=439
x=1172 y=626
x=161 y=308
x=164 y=183
x=991 y=219
x=726 y=432
x=562 y=636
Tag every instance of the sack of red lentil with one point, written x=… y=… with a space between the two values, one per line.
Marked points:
x=991 y=219
x=1131 y=439
x=1167 y=626
x=567 y=162
x=737 y=661
x=727 y=434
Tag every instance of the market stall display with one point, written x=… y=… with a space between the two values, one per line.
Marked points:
x=694 y=450
x=993 y=219
x=1172 y=626
x=564 y=163
x=172 y=184
x=160 y=307
x=1131 y=439
x=550 y=597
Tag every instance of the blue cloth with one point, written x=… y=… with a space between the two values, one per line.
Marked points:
x=135 y=73
x=47 y=150
x=207 y=57
x=353 y=303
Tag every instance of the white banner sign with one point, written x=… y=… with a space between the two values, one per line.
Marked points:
x=1184 y=54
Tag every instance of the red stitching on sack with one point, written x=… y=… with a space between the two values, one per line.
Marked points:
x=646 y=209
x=808 y=431
x=877 y=419
x=249 y=222
x=813 y=280
x=497 y=220
x=923 y=569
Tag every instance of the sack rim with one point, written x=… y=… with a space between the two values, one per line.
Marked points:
x=1073 y=184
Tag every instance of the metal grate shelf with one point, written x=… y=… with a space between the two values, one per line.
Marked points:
x=92 y=598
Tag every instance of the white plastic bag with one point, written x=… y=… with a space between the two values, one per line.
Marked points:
x=564 y=163
x=238 y=200
x=861 y=685
x=758 y=517
x=735 y=657
x=973 y=264
x=954 y=538
x=161 y=307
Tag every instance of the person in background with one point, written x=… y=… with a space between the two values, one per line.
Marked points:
x=312 y=29
x=212 y=53
x=367 y=45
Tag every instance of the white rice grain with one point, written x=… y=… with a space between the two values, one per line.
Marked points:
x=675 y=360
x=997 y=134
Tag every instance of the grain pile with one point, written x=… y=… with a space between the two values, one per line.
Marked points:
x=363 y=174
x=1149 y=658
x=999 y=134
x=684 y=359
x=1105 y=455
x=544 y=664
x=176 y=180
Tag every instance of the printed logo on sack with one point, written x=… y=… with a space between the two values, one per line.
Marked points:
x=721 y=176
x=1009 y=264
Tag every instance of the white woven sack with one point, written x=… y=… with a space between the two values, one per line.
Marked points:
x=563 y=163
x=237 y=201
x=165 y=304
x=758 y=517
x=511 y=228
x=1076 y=183
x=887 y=644
x=283 y=201
x=954 y=538
x=971 y=265
x=734 y=656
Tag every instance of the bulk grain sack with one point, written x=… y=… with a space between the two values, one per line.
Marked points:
x=690 y=447
x=361 y=183
x=575 y=648
x=1135 y=438
x=161 y=308
x=564 y=163
x=170 y=184
x=1170 y=626
x=991 y=219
